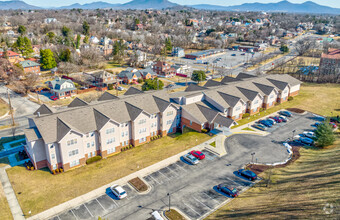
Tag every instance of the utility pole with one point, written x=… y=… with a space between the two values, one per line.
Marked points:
x=10 y=108
x=117 y=85
x=169 y=201
x=38 y=98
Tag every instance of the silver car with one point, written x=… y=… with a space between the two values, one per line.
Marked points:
x=190 y=159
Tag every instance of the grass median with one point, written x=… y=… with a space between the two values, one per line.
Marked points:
x=321 y=99
x=40 y=190
x=308 y=187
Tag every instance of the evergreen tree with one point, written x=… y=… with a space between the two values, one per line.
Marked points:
x=86 y=40
x=324 y=135
x=78 y=41
x=23 y=44
x=50 y=36
x=152 y=84
x=22 y=30
x=198 y=76
x=168 y=44
x=86 y=28
x=47 y=60
x=66 y=31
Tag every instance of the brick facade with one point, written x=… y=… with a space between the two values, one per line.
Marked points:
x=294 y=93
x=40 y=164
x=193 y=125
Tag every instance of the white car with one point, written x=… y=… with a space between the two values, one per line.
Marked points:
x=309 y=134
x=118 y=191
x=272 y=120
x=191 y=159
x=120 y=88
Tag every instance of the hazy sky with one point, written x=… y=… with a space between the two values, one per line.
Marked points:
x=44 y=3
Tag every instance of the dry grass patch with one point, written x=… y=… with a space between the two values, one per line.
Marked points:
x=4 y=108
x=138 y=184
x=5 y=212
x=173 y=215
x=56 y=189
x=298 y=191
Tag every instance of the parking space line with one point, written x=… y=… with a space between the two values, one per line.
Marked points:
x=171 y=171
x=114 y=202
x=201 y=202
x=163 y=174
x=210 y=197
x=100 y=204
x=191 y=208
x=88 y=210
x=233 y=181
x=74 y=214
x=154 y=180
x=58 y=217
x=181 y=167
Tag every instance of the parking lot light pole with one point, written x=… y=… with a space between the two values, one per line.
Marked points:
x=293 y=135
x=169 y=200
x=252 y=157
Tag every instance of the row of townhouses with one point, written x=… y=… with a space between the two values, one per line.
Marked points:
x=68 y=137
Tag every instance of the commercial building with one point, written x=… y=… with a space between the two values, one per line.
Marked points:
x=203 y=54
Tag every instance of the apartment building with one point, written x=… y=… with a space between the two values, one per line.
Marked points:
x=68 y=137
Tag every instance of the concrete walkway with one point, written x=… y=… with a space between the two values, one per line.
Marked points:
x=10 y=195
x=93 y=194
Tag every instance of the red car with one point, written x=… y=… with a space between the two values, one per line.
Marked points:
x=277 y=119
x=198 y=154
x=53 y=98
x=333 y=124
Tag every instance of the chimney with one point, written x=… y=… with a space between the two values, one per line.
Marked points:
x=38 y=113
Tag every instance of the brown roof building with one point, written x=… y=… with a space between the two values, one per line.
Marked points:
x=330 y=62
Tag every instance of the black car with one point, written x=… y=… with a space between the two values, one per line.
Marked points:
x=247 y=174
x=228 y=190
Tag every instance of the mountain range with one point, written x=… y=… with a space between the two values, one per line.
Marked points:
x=282 y=6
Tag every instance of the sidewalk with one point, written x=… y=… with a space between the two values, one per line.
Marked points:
x=10 y=195
x=99 y=191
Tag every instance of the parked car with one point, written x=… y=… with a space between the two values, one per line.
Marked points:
x=198 y=154
x=286 y=113
x=190 y=159
x=266 y=123
x=309 y=134
x=243 y=54
x=306 y=140
x=228 y=190
x=119 y=88
x=335 y=119
x=283 y=118
x=271 y=120
x=248 y=174
x=333 y=124
x=233 y=55
x=170 y=86
x=277 y=119
x=53 y=98
x=118 y=191
x=317 y=124
x=260 y=127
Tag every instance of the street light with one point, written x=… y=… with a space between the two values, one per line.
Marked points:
x=293 y=135
x=252 y=157
x=169 y=200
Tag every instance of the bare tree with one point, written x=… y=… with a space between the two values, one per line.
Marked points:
x=304 y=45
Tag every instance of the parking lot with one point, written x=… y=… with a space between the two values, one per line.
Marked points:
x=227 y=60
x=192 y=188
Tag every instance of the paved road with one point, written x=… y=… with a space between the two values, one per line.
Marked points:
x=21 y=121
x=193 y=188
x=22 y=106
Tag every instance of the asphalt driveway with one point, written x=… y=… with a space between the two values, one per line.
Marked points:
x=192 y=188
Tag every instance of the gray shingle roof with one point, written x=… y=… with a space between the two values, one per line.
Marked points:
x=44 y=110
x=161 y=103
x=230 y=99
x=77 y=102
x=224 y=121
x=279 y=84
x=107 y=96
x=244 y=76
x=101 y=119
x=212 y=83
x=285 y=78
x=28 y=63
x=251 y=95
x=228 y=79
x=208 y=113
x=32 y=134
x=133 y=91
x=264 y=88
x=194 y=87
x=133 y=111
x=62 y=129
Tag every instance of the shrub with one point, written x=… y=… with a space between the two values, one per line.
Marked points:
x=32 y=168
x=276 y=104
x=290 y=98
x=140 y=80
x=57 y=170
x=61 y=170
x=110 y=87
x=93 y=159
x=53 y=172
x=245 y=115
x=158 y=136
x=261 y=109
x=204 y=130
x=130 y=145
x=27 y=167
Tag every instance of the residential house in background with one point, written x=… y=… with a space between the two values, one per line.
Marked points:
x=182 y=70
x=14 y=57
x=1 y=52
x=177 y=52
x=330 y=62
x=62 y=88
x=30 y=67
x=132 y=75
x=163 y=69
x=50 y=20
x=102 y=78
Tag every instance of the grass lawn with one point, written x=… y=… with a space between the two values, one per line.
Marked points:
x=247 y=129
x=5 y=212
x=298 y=191
x=3 y=107
x=173 y=215
x=317 y=98
x=63 y=187
x=213 y=144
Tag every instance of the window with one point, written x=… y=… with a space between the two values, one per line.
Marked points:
x=169 y=122
x=142 y=140
x=123 y=134
x=88 y=145
x=238 y=108
x=272 y=96
x=92 y=143
x=73 y=152
x=54 y=166
x=142 y=130
x=89 y=155
x=53 y=156
x=285 y=92
x=170 y=113
x=110 y=130
x=111 y=150
x=126 y=133
x=110 y=140
x=190 y=122
x=92 y=134
x=71 y=142
x=142 y=121
x=74 y=163
x=257 y=101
